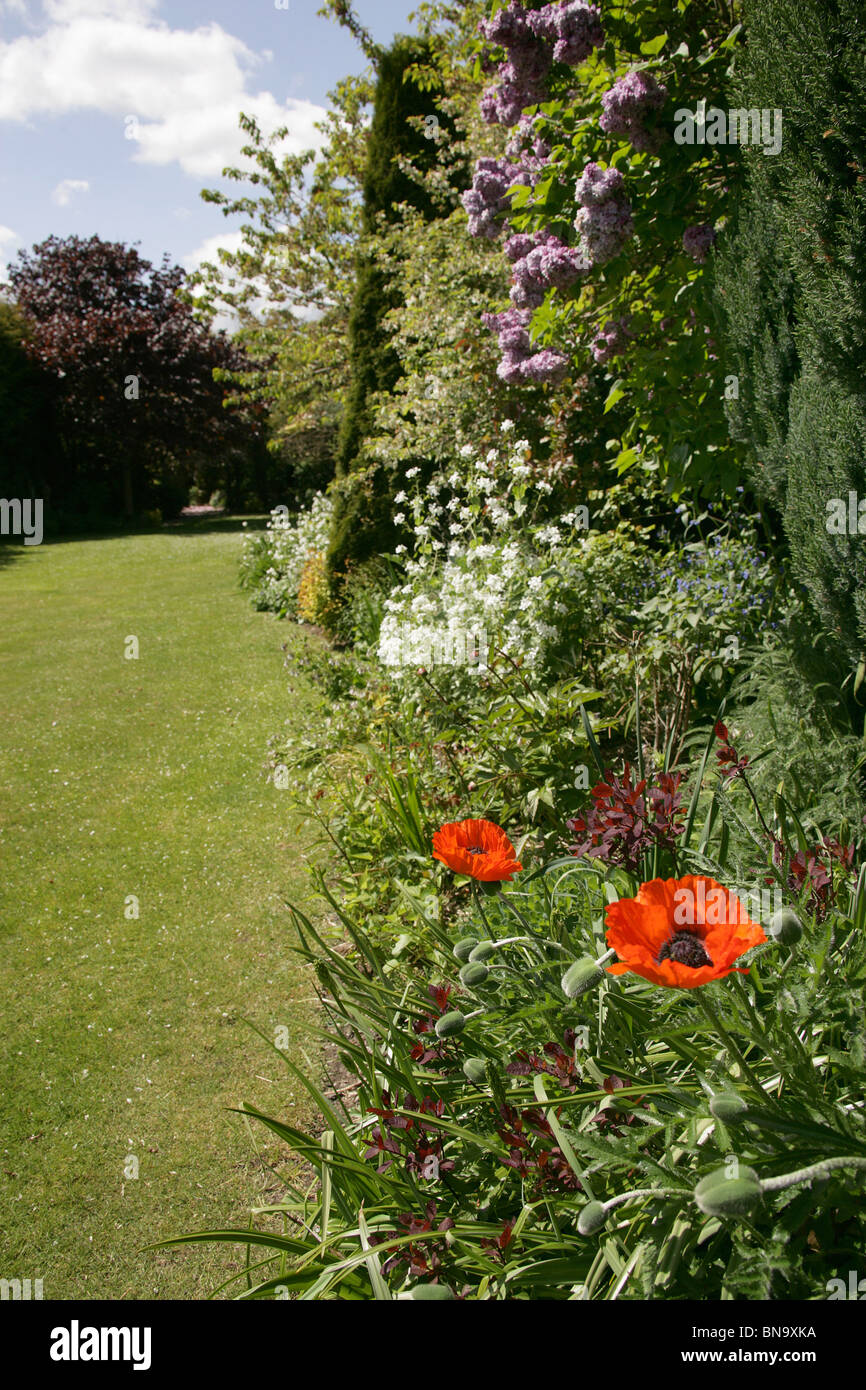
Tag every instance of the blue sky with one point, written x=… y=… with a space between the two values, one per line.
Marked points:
x=114 y=114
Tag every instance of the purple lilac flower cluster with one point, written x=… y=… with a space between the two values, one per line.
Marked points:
x=527 y=150
x=574 y=29
x=533 y=40
x=626 y=106
x=697 y=241
x=610 y=341
x=519 y=363
x=604 y=220
x=541 y=262
x=486 y=200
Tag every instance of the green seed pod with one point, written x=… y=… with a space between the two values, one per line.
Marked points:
x=451 y=1023
x=461 y=950
x=786 y=927
x=475 y=1070
x=474 y=972
x=583 y=975
x=720 y=1195
x=592 y=1219
x=483 y=950
x=728 y=1107
x=431 y=1293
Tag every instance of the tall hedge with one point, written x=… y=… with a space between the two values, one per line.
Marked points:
x=27 y=442
x=362 y=523
x=791 y=277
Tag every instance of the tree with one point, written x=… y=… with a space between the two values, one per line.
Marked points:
x=398 y=145
x=290 y=284
x=792 y=285
x=132 y=369
x=27 y=442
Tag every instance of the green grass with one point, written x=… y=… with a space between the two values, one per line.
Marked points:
x=124 y=1036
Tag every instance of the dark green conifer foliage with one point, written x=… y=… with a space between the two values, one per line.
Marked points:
x=362 y=524
x=791 y=276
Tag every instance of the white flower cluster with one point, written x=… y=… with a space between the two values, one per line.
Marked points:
x=290 y=542
x=481 y=564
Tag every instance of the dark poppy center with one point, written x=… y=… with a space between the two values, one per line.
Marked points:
x=687 y=949
x=473 y=849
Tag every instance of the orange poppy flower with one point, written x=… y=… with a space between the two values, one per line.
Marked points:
x=477 y=848
x=680 y=932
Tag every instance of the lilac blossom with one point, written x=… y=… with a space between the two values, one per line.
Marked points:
x=597 y=185
x=529 y=152
x=574 y=29
x=507 y=27
x=518 y=87
x=604 y=220
x=533 y=40
x=519 y=245
x=487 y=199
x=610 y=341
x=626 y=106
x=541 y=263
x=545 y=366
x=511 y=328
x=519 y=364
x=697 y=241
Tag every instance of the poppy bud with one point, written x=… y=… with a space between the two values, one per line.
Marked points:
x=728 y=1107
x=592 y=1219
x=429 y=1293
x=475 y=1070
x=463 y=947
x=583 y=975
x=474 y=972
x=786 y=927
x=454 y=1022
x=482 y=950
x=721 y=1195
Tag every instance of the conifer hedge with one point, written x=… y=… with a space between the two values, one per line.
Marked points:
x=791 y=276
x=362 y=524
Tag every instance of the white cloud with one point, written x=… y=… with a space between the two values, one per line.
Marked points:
x=62 y=11
x=209 y=249
x=65 y=189
x=176 y=92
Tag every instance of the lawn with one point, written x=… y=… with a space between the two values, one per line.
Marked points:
x=124 y=1043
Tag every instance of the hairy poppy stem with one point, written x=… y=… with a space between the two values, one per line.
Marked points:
x=518 y=914
x=731 y=1046
x=640 y=1192
x=477 y=895
x=816 y=1170
x=761 y=1028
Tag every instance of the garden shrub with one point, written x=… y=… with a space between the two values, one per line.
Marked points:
x=273 y=563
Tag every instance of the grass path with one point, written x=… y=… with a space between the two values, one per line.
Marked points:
x=122 y=1036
